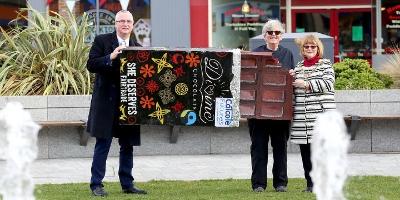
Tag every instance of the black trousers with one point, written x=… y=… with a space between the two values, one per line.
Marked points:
x=305 y=150
x=260 y=132
x=100 y=155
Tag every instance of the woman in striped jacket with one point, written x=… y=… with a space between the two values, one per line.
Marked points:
x=314 y=79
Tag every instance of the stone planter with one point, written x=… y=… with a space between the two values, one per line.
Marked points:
x=368 y=102
x=373 y=135
x=54 y=107
x=57 y=141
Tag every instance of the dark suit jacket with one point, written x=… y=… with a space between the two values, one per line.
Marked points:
x=103 y=114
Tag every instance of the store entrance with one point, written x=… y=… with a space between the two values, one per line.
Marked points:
x=350 y=28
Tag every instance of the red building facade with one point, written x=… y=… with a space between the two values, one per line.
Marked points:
x=352 y=24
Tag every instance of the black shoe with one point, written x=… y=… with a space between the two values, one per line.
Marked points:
x=281 y=188
x=308 y=189
x=99 y=191
x=134 y=190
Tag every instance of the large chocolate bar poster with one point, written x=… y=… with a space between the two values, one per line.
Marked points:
x=192 y=87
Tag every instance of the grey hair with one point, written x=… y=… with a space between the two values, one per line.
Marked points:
x=123 y=11
x=270 y=24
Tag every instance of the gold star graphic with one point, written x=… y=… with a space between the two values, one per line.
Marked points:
x=123 y=115
x=123 y=62
x=161 y=63
x=159 y=113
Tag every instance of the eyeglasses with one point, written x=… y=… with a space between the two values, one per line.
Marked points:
x=125 y=21
x=309 y=46
x=274 y=32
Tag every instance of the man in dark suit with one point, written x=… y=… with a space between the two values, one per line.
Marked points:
x=103 y=116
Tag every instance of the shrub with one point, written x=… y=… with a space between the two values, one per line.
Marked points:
x=48 y=57
x=357 y=74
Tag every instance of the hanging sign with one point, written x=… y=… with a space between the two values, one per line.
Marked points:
x=244 y=17
x=393 y=16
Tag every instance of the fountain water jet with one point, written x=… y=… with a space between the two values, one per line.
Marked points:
x=329 y=156
x=18 y=137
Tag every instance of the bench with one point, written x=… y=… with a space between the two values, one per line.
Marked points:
x=80 y=124
x=84 y=136
x=353 y=121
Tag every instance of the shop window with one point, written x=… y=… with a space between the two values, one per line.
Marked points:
x=355 y=35
x=390 y=24
x=313 y=22
x=8 y=12
x=235 y=22
x=107 y=10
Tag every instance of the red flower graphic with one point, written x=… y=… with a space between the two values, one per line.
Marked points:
x=140 y=92
x=147 y=102
x=178 y=58
x=131 y=120
x=192 y=59
x=131 y=56
x=222 y=54
x=178 y=107
x=152 y=86
x=143 y=56
x=147 y=70
x=140 y=81
x=179 y=71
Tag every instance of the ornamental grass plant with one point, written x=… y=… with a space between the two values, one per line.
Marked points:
x=392 y=65
x=47 y=57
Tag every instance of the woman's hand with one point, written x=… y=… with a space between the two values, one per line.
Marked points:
x=291 y=72
x=300 y=83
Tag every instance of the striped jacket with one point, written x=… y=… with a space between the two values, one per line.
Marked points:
x=308 y=104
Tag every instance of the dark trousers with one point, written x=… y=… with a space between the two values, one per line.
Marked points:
x=98 y=169
x=305 y=150
x=260 y=132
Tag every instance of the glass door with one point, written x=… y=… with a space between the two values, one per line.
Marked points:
x=350 y=28
x=354 y=33
x=316 y=20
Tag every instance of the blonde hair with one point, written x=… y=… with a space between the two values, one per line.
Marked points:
x=310 y=39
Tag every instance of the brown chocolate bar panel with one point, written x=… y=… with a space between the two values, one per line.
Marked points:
x=265 y=88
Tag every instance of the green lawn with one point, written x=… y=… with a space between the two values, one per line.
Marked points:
x=360 y=188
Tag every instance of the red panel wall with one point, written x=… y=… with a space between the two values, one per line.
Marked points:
x=199 y=23
x=8 y=12
x=331 y=2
